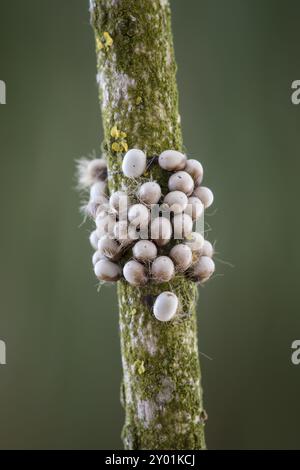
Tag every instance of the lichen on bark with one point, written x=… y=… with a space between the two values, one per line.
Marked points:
x=136 y=72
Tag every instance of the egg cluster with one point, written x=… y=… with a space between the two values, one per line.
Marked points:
x=149 y=235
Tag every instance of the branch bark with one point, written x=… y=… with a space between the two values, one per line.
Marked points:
x=161 y=390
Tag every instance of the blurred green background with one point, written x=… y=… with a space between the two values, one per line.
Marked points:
x=236 y=61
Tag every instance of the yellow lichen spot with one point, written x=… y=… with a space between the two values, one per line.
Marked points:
x=120 y=143
x=114 y=132
x=133 y=311
x=108 y=39
x=116 y=147
x=124 y=145
x=139 y=367
x=99 y=44
x=138 y=100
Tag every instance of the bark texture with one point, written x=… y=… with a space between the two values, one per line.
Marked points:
x=136 y=73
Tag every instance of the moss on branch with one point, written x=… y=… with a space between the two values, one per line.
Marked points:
x=136 y=73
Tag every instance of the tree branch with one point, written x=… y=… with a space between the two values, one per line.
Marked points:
x=161 y=390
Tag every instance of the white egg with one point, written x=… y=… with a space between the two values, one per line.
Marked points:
x=109 y=248
x=94 y=239
x=136 y=233
x=195 y=169
x=125 y=233
x=165 y=306
x=119 y=203
x=161 y=230
x=121 y=230
x=105 y=224
x=138 y=215
x=205 y=195
x=162 y=269
x=134 y=163
x=135 y=273
x=182 y=257
x=172 y=160
x=144 y=250
x=149 y=193
x=177 y=201
x=91 y=209
x=97 y=191
x=182 y=225
x=181 y=181
x=106 y=270
x=97 y=256
x=203 y=269
x=195 y=241
x=102 y=201
x=207 y=249
x=195 y=207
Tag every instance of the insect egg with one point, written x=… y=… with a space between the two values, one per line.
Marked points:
x=182 y=257
x=195 y=241
x=97 y=191
x=138 y=215
x=172 y=160
x=177 y=201
x=94 y=239
x=203 y=269
x=181 y=181
x=135 y=273
x=149 y=193
x=195 y=169
x=109 y=248
x=134 y=163
x=119 y=202
x=106 y=270
x=161 y=230
x=207 y=249
x=105 y=223
x=96 y=257
x=196 y=207
x=165 y=306
x=183 y=226
x=162 y=269
x=144 y=250
x=205 y=195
